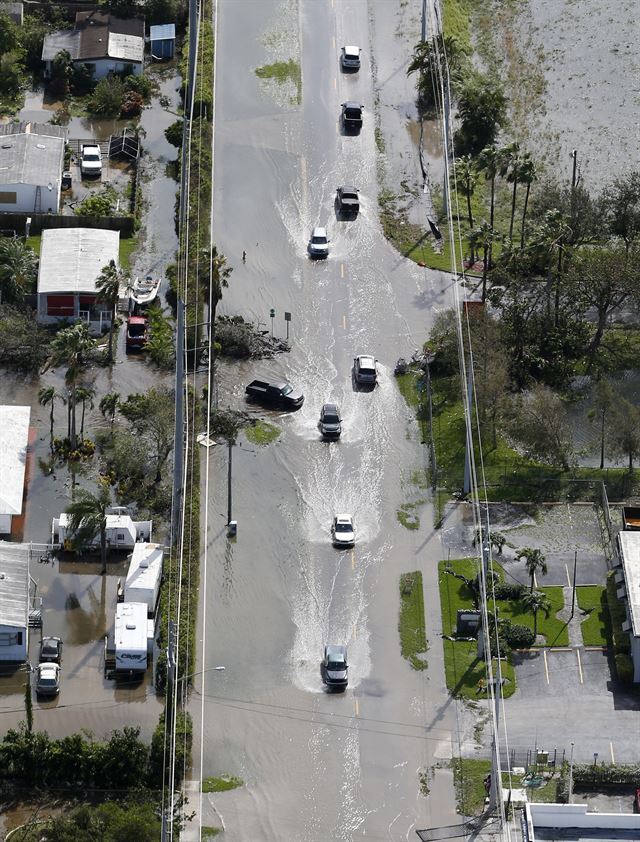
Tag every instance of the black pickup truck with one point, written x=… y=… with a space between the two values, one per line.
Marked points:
x=347 y=201
x=276 y=394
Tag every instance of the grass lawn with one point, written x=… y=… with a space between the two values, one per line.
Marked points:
x=413 y=636
x=465 y=672
x=596 y=629
x=262 y=433
x=469 y=775
x=553 y=629
x=509 y=476
x=34 y=242
x=210 y=832
x=617 y=616
x=127 y=246
x=283 y=71
x=221 y=784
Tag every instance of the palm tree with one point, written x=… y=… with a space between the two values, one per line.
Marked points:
x=483 y=237
x=87 y=518
x=535 y=601
x=84 y=394
x=109 y=406
x=18 y=270
x=534 y=560
x=47 y=395
x=466 y=176
x=69 y=347
x=527 y=175
x=428 y=57
x=509 y=157
x=108 y=285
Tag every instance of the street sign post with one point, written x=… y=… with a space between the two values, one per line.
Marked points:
x=272 y=315
x=287 y=318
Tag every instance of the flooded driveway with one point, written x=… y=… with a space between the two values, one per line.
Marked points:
x=316 y=766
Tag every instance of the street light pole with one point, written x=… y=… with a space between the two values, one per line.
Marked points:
x=230 y=443
x=571 y=775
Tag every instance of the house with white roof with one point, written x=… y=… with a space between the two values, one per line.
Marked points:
x=31 y=161
x=628 y=590
x=14 y=439
x=122 y=531
x=14 y=603
x=101 y=42
x=71 y=260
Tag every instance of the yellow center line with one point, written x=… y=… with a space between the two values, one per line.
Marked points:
x=353 y=555
x=613 y=759
x=546 y=665
x=342 y=270
x=357 y=707
x=333 y=41
x=344 y=322
x=579 y=666
x=335 y=83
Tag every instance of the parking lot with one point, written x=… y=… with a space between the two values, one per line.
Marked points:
x=564 y=694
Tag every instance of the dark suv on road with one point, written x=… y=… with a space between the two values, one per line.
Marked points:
x=330 y=422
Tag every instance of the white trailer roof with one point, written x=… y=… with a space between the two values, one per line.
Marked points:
x=72 y=258
x=14 y=438
x=131 y=626
x=146 y=566
x=630 y=546
x=14 y=584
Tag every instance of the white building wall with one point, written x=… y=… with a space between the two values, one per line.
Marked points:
x=26 y=197
x=14 y=642
x=578 y=816
x=105 y=66
x=5 y=524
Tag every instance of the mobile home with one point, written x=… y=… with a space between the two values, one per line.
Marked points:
x=130 y=637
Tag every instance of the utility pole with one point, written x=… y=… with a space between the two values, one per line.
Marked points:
x=230 y=445
x=574 y=155
x=466 y=485
x=573 y=594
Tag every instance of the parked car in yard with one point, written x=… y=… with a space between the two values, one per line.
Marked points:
x=347 y=201
x=334 y=668
x=350 y=58
x=48 y=679
x=91 y=160
x=330 y=422
x=352 y=116
x=319 y=243
x=137 y=332
x=275 y=394
x=364 y=370
x=50 y=650
x=343 y=532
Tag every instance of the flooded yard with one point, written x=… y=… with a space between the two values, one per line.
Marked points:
x=78 y=603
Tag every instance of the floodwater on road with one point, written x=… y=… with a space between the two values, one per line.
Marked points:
x=315 y=765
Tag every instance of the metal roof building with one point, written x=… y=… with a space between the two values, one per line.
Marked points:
x=163 y=40
x=104 y=43
x=72 y=258
x=14 y=439
x=30 y=173
x=14 y=602
x=629 y=591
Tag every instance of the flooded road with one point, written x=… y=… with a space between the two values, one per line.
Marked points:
x=316 y=766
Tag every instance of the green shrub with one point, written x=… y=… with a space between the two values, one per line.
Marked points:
x=605 y=774
x=98 y=204
x=173 y=133
x=508 y=590
x=107 y=97
x=516 y=635
x=141 y=85
x=624 y=667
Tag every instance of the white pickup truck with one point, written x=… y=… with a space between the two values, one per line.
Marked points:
x=91 y=160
